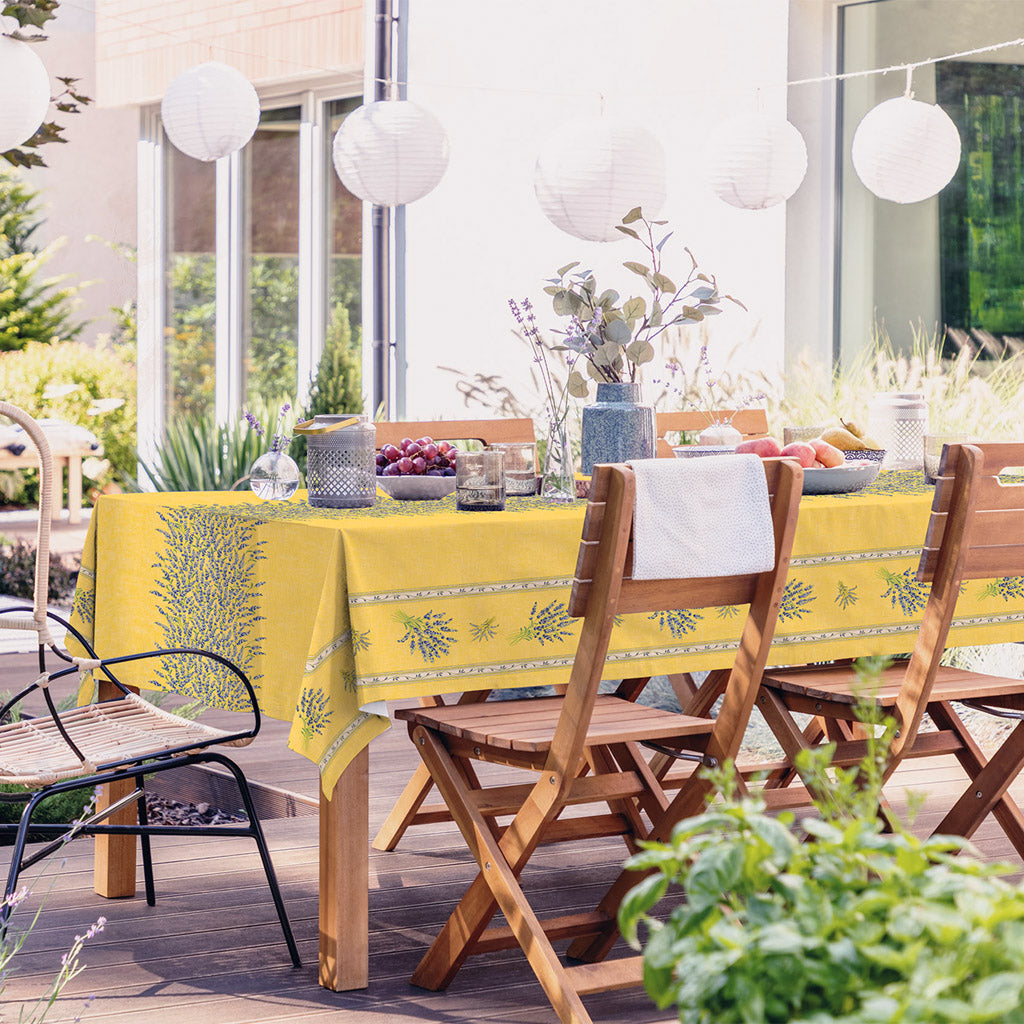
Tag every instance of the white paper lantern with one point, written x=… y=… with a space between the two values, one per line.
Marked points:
x=756 y=161
x=592 y=172
x=24 y=93
x=390 y=152
x=210 y=111
x=905 y=150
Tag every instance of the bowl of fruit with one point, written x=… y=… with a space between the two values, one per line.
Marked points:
x=827 y=468
x=420 y=470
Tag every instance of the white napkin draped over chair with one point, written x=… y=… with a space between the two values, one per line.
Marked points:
x=701 y=517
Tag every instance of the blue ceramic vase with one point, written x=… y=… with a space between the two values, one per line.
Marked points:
x=617 y=427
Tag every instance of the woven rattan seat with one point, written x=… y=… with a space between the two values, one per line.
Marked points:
x=107 y=734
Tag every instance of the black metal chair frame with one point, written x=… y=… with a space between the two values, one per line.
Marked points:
x=125 y=770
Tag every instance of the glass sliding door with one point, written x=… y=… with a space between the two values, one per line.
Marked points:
x=190 y=261
x=271 y=317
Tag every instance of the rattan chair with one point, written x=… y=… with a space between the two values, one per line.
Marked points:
x=120 y=739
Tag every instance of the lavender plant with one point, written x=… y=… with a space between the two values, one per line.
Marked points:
x=279 y=441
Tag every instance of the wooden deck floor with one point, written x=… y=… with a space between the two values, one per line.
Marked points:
x=210 y=951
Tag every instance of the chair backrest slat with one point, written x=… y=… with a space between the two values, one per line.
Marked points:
x=749 y=422
x=995 y=542
x=485 y=431
x=602 y=590
x=656 y=595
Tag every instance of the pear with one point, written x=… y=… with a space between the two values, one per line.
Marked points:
x=869 y=442
x=843 y=439
x=852 y=427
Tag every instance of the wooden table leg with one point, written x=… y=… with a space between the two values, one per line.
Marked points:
x=57 y=491
x=114 y=856
x=345 y=879
x=74 y=488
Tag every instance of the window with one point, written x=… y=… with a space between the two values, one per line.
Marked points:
x=953 y=260
x=246 y=265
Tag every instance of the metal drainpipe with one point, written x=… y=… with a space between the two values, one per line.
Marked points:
x=381 y=230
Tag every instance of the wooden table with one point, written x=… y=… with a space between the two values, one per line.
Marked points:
x=67 y=458
x=334 y=612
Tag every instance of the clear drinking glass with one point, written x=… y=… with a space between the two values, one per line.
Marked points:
x=520 y=466
x=933 y=444
x=480 y=481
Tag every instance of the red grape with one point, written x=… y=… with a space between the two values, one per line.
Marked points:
x=391 y=469
x=390 y=452
x=430 y=451
x=404 y=465
x=412 y=449
x=419 y=464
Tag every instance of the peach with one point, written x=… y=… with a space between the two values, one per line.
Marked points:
x=801 y=451
x=766 y=447
x=827 y=454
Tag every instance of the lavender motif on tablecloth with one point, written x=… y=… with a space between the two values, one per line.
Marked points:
x=430 y=633
x=486 y=630
x=208 y=597
x=904 y=591
x=678 y=621
x=1006 y=587
x=549 y=625
x=796 y=600
x=312 y=712
x=845 y=596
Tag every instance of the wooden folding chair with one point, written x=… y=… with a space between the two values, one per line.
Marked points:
x=409 y=809
x=749 y=422
x=976 y=531
x=117 y=741
x=586 y=748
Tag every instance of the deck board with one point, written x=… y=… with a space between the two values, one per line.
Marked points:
x=210 y=951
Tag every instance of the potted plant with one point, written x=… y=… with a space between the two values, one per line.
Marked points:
x=610 y=338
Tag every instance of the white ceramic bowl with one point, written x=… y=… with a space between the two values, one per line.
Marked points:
x=416 y=488
x=844 y=479
x=695 y=451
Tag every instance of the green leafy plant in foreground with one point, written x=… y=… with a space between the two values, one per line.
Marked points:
x=835 y=921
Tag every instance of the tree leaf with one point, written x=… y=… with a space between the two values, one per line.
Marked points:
x=640 y=352
x=617 y=331
x=552 y=289
x=692 y=314
x=635 y=214
x=634 y=308
x=654 y=320
x=664 y=240
x=608 y=298
x=664 y=283
x=577 y=386
x=562 y=303
x=627 y=231
x=565 y=270
x=637 y=268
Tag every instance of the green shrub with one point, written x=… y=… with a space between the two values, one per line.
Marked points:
x=198 y=454
x=32 y=307
x=839 y=922
x=18 y=568
x=65 y=381
x=337 y=385
x=54 y=810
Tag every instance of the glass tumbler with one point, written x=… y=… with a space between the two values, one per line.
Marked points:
x=933 y=444
x=520 y=467
x=480 y=481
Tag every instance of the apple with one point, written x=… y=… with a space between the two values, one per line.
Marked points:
x=828 y=455
x=801 y=451
x=766 y=447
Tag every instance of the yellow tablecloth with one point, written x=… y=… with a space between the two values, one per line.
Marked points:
x=330 y=611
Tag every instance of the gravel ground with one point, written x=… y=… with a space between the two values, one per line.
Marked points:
x=171 y=812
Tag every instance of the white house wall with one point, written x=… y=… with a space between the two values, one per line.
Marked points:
x=501 y=76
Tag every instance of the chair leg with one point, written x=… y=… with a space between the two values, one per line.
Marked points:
x=989 y=781
x=256 y=831
x=496 y=885
x=144 y=842
x=18 y=852
x=404 y=811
